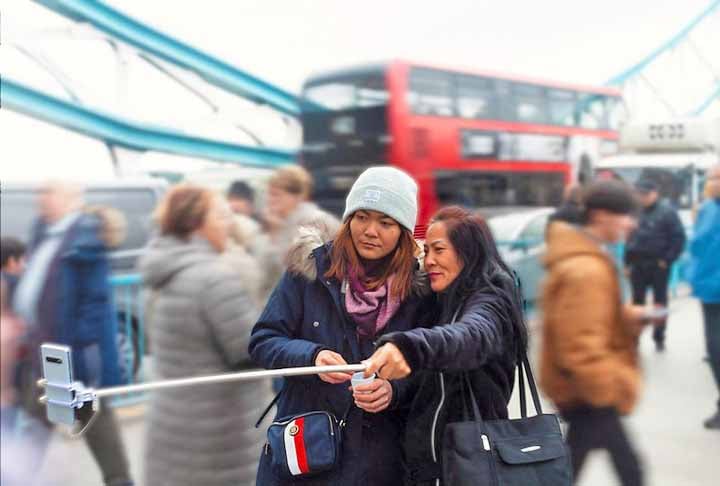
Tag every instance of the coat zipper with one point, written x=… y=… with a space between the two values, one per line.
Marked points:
x=435 y=421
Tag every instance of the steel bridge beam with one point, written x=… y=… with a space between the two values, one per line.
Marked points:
x=715 y=96
x=674 y=41
x=117 y=131
x=213 y=70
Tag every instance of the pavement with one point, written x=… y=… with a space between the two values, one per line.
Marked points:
x=666 y=427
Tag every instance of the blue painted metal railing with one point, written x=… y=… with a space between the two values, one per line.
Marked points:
x=129 y=306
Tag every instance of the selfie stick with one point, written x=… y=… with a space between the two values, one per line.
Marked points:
x=82 y=395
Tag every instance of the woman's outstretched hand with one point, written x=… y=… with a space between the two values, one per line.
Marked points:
x=388 y=363
x=331 y=358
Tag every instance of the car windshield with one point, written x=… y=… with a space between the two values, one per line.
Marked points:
x=504 y=228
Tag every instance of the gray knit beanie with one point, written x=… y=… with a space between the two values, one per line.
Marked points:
x=387 y=190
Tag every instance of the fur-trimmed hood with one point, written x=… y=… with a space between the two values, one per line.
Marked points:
x=302 y=258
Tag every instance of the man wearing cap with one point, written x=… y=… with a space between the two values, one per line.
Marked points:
x=651 y=250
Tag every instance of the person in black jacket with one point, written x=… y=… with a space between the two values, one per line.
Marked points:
x=480 y=331
x=651 y=250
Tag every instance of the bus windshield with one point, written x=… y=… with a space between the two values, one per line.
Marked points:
x=344 y=93
x=675 y=183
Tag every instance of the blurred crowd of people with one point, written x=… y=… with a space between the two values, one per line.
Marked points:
x=230 y=286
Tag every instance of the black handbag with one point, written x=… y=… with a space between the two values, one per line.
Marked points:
x=528 y=451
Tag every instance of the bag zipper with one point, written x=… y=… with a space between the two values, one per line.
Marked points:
x=491 y=458
x=330 y=420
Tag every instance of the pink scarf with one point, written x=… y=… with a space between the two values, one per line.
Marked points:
x=370 y=309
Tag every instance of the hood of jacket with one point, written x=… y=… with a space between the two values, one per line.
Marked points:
x=565 y=241
x=166 y=256
x=309 y=257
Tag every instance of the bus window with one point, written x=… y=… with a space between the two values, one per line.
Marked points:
x=476 y=97
x=528 y=103
x=430 y=92
x=561 y=105
x=616 y=111
x=591 y=109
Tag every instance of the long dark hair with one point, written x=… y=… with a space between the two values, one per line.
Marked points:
x=483 y=270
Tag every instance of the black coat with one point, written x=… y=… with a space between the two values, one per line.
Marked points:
x=659 y=236
x=481 y=342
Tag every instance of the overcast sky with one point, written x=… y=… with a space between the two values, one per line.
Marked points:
x=283 y=41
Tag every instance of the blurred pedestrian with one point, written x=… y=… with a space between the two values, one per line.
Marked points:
x=651 y=250
x=705 y=276
x=589 y=362
x=11 y=330
x=241 y=198
x=288 y=209
x=472 y=282
x=202 y=314
x=329 y=308
x=13 y=468
x=64 y=297
x=570 y=210
x=13 y=263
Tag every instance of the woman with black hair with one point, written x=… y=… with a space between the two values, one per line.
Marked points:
x=481 y=332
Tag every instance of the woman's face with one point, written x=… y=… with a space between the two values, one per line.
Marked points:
x=282 y=203
x=374 y=235
x=441 y=260
x=216 y=227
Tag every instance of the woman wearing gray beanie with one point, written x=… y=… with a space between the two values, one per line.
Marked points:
x=335 y=300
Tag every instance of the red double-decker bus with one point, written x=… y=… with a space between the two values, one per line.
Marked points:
x=477 y=139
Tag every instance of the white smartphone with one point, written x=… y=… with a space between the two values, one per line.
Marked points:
x=57 y=370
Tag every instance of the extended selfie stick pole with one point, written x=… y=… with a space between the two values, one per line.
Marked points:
x=226 y=377
x=82 y=395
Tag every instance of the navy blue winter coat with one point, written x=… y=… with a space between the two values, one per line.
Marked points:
x=482 y=342
x=305 y=315
x=659 y=236
x=76 y=307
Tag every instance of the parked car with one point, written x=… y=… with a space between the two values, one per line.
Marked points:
x=520 y=234
x=136 y=199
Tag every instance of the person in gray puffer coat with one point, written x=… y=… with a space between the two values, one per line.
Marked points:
x=201 y=314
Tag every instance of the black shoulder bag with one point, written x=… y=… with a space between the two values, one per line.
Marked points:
x=528 y=451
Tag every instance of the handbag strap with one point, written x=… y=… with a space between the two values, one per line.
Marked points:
x=524 y=368
x=342 y=422
x=267 y=409
x=523 y=364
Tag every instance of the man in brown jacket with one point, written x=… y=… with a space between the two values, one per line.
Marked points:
x=589 y=358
